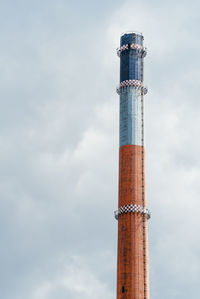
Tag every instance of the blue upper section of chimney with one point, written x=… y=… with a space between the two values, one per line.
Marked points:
x=131 y=38
x=130 y=59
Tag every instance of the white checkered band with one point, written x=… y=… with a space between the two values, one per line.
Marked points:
x=136 y=83
x=140 y=49
x=133 y=209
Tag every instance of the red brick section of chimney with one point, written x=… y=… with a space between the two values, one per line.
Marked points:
x=132 y=264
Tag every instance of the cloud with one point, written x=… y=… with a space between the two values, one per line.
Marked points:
x=59 y=149
x=74 y=280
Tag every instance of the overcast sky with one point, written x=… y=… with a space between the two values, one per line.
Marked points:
x=59 y=146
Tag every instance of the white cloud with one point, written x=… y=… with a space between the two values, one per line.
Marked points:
x=59 y=152
x=74 y=279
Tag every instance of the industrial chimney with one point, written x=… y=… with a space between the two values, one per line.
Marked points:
x=132 y=213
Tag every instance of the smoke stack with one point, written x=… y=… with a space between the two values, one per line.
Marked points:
x=132 y=213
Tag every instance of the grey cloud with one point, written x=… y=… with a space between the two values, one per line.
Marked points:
x=59 y=148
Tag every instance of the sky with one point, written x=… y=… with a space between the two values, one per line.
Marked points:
x=59 y=125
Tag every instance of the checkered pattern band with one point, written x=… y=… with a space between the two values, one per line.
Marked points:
x=136 y=83
x=133 y=209
x=140 y=49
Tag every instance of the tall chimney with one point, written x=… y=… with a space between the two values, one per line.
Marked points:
x=132 y=213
